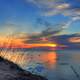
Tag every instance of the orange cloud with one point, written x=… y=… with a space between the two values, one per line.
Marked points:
x=74 y=39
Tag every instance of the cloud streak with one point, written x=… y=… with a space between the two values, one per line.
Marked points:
x=54 y=7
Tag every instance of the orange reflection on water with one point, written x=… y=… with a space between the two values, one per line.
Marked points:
x=48 y=59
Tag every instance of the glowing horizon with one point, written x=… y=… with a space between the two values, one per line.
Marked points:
x=12 y=42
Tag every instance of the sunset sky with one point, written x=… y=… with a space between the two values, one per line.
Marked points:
x=35 y=16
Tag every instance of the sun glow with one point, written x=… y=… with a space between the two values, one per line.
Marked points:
x=19 y=43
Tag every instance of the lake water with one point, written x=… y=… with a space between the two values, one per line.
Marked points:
x=65 y=65
x=55 y=65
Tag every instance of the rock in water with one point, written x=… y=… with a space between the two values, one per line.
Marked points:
x=11 y=71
